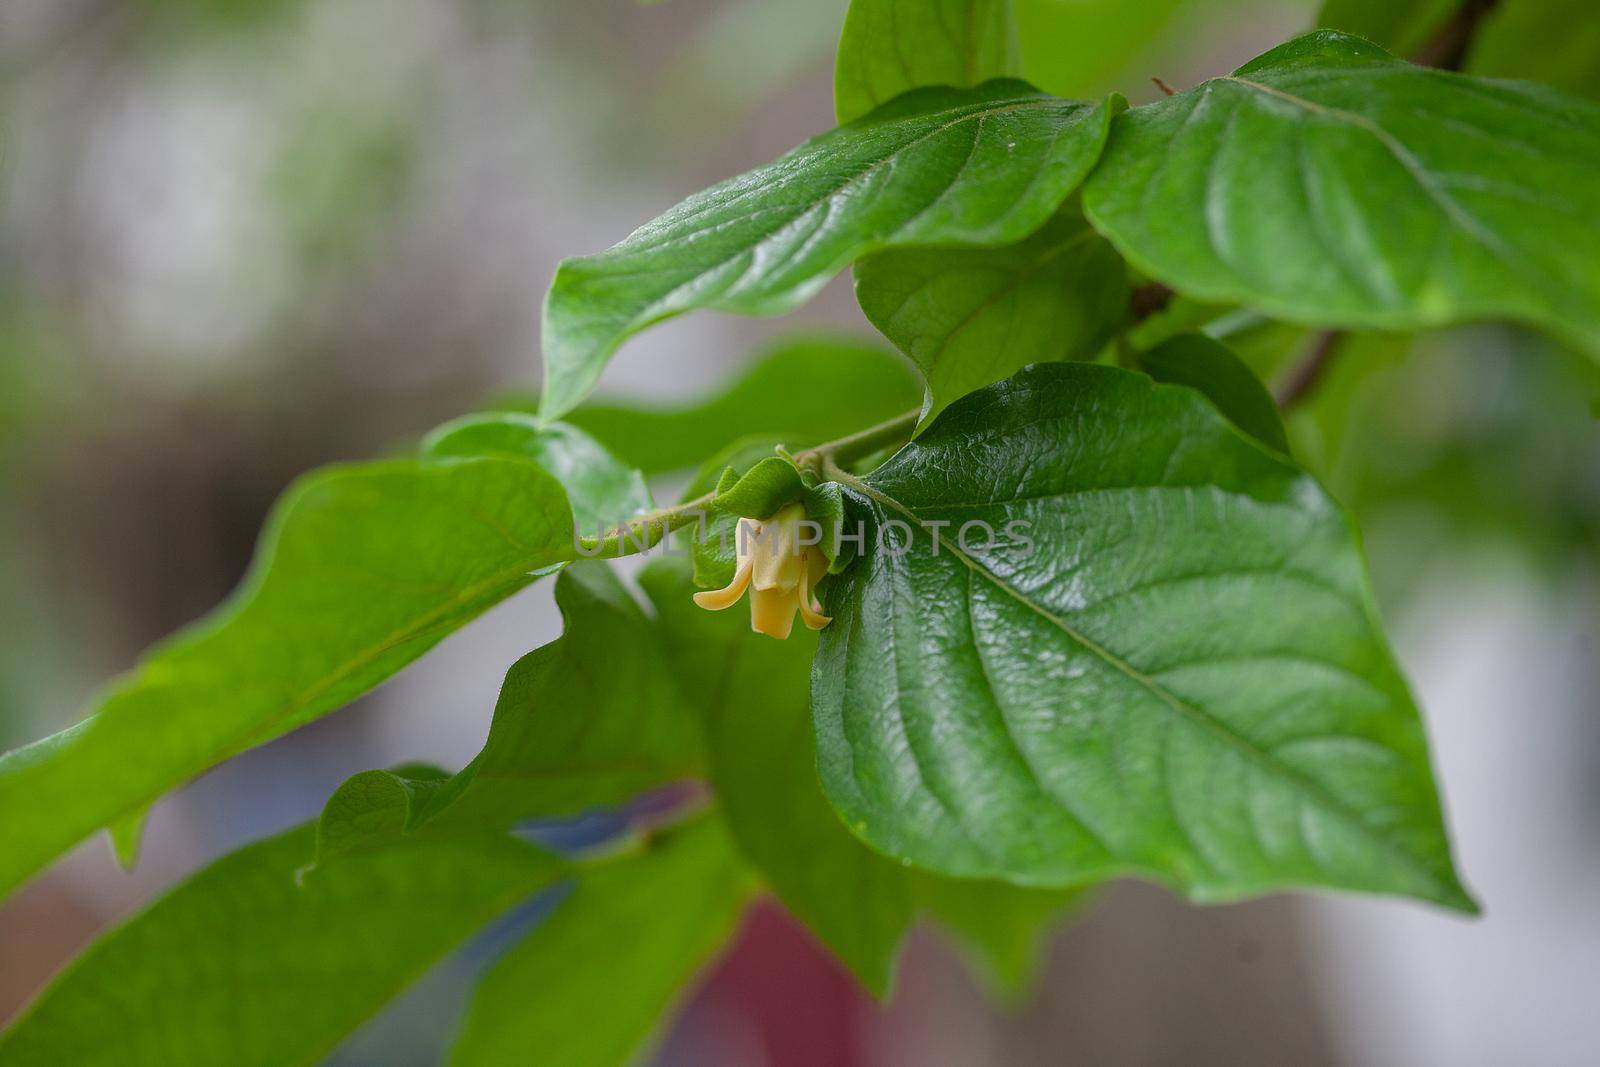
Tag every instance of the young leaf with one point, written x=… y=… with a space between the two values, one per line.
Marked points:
x=971 y=316
x=1329 y=183
x=245 y=964
x=1125 y=639
x=758 y=492
x=590 y=983
x=360 y=570
x=1556 y=42
x=602 y=490
x=892 y=46
x=1195 y=360
x=376 y=808
x=593 y=718
x=803 y=390
x=1401 y=26
x=982 y=166
x=754 y=702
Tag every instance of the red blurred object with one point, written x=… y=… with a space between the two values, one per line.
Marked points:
x=777 y=999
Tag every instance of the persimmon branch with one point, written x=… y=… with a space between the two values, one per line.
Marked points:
x=647 y=530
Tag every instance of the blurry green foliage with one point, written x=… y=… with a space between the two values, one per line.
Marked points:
x=804 y=389
x=1178 y=559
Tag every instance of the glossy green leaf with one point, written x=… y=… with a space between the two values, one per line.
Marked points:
x=969 y=317
x=804 y=389
x=892 y=46
x=1556 y=42
x=981 y=166
x=589 y=985
x=1163 y=661
x=1328 y=183
x=753 y=696
x=1205 y=365
x=360 y=570
x=246 y=963
x=591 y=719
x=602 y=490
x=1401 y=26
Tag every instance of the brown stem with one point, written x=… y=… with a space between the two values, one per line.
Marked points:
x=1309 y=371
x=1447 y=49
x=1147 y=300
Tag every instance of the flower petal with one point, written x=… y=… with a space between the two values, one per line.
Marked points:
x=772 y=612
x=728 y=595
x=810 y=610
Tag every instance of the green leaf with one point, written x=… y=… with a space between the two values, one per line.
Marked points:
x=375 y=808
x=1003 y=929
x=892 y=46
x=713 y=541
x=969 y=317
x=245 y=964
x=753 y=696
x=127 y=837
x=602 y=490
x=805 y=389
x=982 y=166
x=1401 y=26
x=589 y=984
x=1162 y=662
x=360 y=570
x=825 y=505
x=591 y=719
x=1556 y=42
x=763 y=489
x=1205 y=365
x=1328 y=183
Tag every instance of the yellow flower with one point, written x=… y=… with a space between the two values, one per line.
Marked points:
x=780 y=571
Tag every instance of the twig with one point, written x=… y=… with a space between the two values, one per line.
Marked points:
x=1447 y=49
x=873 y=439
x=1308 y=373
x=643 y=532
x=1163 y=86
x=1147 y=300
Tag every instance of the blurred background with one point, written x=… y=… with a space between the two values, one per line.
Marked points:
x=240 y=238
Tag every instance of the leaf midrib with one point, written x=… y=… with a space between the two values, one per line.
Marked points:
x=1187 y=711
x=1402 y=154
